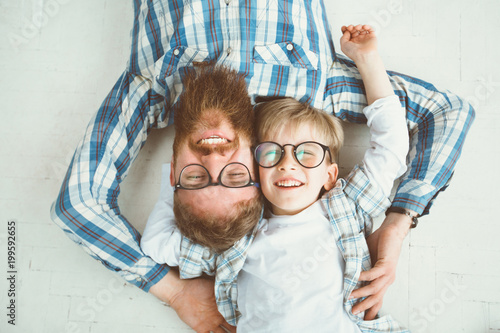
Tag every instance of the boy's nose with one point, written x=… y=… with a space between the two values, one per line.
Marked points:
x=288 y=162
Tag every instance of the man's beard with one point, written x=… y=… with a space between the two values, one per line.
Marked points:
x=211 y=96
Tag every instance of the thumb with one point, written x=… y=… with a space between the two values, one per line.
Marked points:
x=346 y=36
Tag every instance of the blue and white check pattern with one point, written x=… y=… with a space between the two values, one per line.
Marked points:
x=196 y=260
x=350 y=205
x=285 y=49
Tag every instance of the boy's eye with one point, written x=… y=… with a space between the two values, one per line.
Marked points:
x=271 y=154
x=305 y=153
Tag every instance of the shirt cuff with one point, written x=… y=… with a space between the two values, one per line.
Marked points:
x=146 y=274
x=417 y=195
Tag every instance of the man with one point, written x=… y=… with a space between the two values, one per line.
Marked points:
x=214 y=133
x=284 y=48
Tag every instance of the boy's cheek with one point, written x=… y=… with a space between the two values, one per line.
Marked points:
x=263 y=176
x=265 y=183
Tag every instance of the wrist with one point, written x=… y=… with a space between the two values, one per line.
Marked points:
x=367 y=59
x=398 y=223
x=168 y=288
x=412 y=215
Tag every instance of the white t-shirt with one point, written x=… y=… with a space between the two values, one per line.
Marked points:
x=292 y=280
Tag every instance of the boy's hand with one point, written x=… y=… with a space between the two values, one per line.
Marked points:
x=358 y=41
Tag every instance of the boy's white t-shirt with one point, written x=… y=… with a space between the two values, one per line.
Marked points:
x=292 y=280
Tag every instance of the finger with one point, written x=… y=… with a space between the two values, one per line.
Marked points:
x=228 y=328
x=371 y=313
x=372 y=274
x=366 y=304
x=376 y=286
x=346 y=36
x=365 y=291
x=370 y=302
x=369 y=28
x=219 y=329
x=218 y=325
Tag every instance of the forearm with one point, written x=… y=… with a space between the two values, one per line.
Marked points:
x=168 y=287
x=161 y=239
x=374 y=76
x=385 y=160
x=438 y=122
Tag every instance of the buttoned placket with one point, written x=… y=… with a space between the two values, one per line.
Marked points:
x=227 y=15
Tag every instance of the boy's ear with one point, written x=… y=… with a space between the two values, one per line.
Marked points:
x=333 y=171
x=172 y=174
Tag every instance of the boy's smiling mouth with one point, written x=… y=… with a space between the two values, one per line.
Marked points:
x=288 y=183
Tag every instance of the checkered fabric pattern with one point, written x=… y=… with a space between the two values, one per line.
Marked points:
x=285 y=49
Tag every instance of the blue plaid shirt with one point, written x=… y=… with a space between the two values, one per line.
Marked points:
x=285 y=48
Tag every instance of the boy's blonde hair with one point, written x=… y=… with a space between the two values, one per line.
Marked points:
x=274 y=116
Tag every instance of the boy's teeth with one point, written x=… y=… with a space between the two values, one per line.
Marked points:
x=289 y=183
x=213 y=141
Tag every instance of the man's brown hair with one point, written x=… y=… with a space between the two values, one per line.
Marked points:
x=215 y=232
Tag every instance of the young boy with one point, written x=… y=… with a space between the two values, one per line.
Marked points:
x=303 y=261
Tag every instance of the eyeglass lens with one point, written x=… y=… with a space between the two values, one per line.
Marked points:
x=308 y=154
x=196 y=176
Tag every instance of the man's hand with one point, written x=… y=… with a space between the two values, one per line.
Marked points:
x=385 y=247
x=194 y=302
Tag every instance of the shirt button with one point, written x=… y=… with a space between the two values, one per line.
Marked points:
x=229 y=50
x=289 y=47
x=138 y=279
x=228 y=2
x=176 y=52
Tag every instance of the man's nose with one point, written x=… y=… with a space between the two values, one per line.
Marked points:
x=214 y=162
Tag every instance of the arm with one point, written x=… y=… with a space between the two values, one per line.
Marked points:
x=386 y=159
x=438 y=122
x=360 y=44
x=86 y=208
x=161 y=239
x=87 y=205
x=384 y=162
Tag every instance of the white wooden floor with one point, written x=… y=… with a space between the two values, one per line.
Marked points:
x=54 y=77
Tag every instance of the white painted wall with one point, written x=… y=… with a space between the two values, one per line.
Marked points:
x=54 y=78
